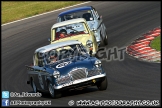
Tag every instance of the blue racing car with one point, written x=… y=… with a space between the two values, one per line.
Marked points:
x=65 y=66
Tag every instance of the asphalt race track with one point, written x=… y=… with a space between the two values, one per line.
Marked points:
x=129 y=79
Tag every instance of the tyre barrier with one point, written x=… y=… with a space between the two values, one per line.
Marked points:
x=140 y=48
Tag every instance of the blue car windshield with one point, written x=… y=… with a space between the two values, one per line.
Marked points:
x=65 y=52
x=86 y=14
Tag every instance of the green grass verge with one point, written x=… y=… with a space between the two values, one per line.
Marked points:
x=15 y=10
x=156 y=43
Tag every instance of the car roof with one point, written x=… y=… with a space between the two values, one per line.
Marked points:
x=56 y=45
x=77 y=20
x=75 y=10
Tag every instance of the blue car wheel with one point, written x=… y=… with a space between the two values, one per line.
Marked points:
x=33 y=86
x=53 y=92
x=103 y=84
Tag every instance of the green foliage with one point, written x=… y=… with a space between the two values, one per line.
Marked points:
x=156 y=43
x=15 y=10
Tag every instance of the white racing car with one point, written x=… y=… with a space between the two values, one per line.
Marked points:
x=94 y=21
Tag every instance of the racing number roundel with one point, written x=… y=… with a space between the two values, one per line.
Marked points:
x=61 y=65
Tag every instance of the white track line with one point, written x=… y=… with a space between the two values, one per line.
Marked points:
x=45 y=13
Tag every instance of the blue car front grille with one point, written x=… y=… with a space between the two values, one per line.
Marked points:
x=78 y=73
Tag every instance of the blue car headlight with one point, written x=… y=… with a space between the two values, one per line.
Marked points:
x=97 y=63
x=56 y=74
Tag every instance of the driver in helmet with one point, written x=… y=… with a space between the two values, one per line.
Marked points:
x=53 y=57
x=63 y=33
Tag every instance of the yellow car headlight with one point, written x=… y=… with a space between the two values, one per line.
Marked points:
x=89 y=44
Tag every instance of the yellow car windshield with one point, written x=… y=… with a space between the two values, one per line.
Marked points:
x=70 y=30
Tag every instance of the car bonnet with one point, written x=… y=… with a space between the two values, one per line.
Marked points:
x=65 y=66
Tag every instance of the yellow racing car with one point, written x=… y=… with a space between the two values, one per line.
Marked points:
x=75 y=29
